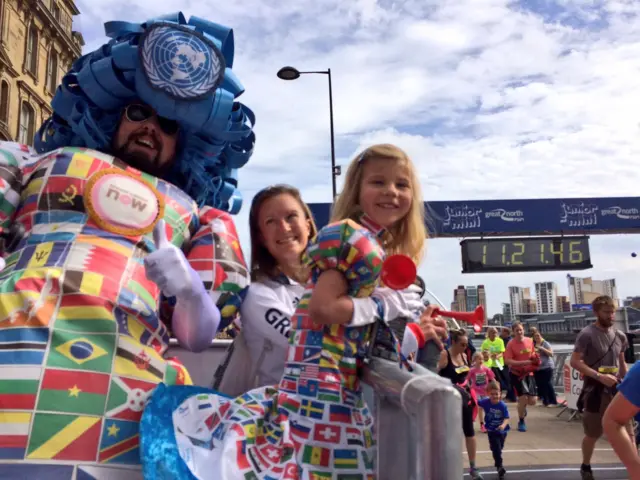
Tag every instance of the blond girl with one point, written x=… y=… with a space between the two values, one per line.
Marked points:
x=315 y=424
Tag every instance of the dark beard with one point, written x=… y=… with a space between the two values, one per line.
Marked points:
x=606 y=323
x=139 y=162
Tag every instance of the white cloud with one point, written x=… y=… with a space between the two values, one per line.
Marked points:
x=490 y=99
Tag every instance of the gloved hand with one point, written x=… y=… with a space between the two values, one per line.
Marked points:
x=405 y=303
x=169 y=269
x=388 y=304
x=195 y=316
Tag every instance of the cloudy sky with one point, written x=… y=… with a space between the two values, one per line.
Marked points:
x=493 y=99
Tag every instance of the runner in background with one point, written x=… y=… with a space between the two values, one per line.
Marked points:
x=453 y=364
x=599 y=356
x=505 y=335
x=494 y=347
x=544 y=373
x=497 y=422
x=622 y=409
x=478 y=378
x=520 y=358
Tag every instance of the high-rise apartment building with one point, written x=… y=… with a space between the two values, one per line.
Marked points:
x=529 y=305
x=37 y=47
x=466 y=299
x=482 y=299
x=506 y=312
x=586 y=290
x=472 y=298
x=515 y=299
x=563 y=304
x=546 y=297
x=521 y=301
x=459 y=303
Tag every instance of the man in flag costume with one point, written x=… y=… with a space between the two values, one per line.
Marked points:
x=124 y=201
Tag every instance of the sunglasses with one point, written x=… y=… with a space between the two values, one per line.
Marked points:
x=137 y=113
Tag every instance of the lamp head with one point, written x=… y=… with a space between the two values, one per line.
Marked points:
x=288 y=73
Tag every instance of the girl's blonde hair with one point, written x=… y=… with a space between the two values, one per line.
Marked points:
x=410 y=235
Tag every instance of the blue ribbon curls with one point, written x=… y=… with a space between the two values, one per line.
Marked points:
x=181 y=69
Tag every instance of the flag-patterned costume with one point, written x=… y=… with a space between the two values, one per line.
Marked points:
x=314 y=425
x=81 y=343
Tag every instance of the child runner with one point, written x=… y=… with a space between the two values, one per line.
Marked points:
x=479 y=376
x=522 y=360
x=315 y=424
x=496 y=418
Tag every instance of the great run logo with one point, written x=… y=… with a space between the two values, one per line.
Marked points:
x=622 y=213
x=506 y=215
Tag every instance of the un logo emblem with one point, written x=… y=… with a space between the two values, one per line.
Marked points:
x=181 y=62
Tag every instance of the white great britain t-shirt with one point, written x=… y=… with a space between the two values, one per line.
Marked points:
x=265 y=318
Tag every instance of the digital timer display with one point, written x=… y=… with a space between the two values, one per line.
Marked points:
x=527 y=254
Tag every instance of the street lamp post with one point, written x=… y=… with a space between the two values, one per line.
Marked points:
x=291 y=73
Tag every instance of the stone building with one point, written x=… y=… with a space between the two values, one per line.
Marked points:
x=37 y=47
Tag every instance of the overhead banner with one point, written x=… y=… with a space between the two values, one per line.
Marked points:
x=547 y=216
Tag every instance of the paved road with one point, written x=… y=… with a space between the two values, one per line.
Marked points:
x=557 y=472
x=549 y=450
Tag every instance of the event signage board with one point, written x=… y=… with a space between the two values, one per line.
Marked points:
x=546 y=216
x=572 y=384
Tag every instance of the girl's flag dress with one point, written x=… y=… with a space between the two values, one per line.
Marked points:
x=313 y=425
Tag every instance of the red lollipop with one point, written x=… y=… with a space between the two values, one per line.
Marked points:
x=398 y=272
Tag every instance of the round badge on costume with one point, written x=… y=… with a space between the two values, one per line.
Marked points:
x=120 y=202
x=181 y=62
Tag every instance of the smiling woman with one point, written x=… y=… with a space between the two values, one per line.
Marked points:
x=281 y=226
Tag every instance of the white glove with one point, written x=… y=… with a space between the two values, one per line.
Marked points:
x=169 y=269
x=413 y=339
x=390 y=303
x=413 y=297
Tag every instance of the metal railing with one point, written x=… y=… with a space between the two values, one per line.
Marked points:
x=415 y=415
x=418 y=418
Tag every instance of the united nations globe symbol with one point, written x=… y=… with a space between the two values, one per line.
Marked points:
x=181 y=62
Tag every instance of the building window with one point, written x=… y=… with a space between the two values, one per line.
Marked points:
x=4 y=31
x=4 y=101
x=65 y=22
x=26 y=129
x=52 y=70
x=31 y=60
x=55 y=10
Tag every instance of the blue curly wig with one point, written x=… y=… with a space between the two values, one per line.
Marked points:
x=181 y=69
